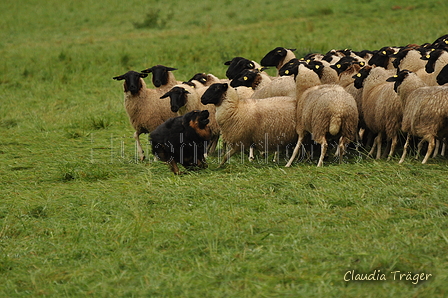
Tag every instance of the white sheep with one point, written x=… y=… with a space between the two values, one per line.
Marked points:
x=381 y=107
x=144 y=108
x=321 y=110
x=425 y=112
x=267 y=124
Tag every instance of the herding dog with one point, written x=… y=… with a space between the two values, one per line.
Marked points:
x=181 y=140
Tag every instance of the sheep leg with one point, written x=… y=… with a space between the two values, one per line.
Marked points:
x=379 y=140
x=436 y=150
x=323 y=151
x=392 y=146
x=226 y=157
x=373 y=147
x=139 y=146
x=341 y=149
x=419 y=148
x=405 y=148
x=294 y=153
x=442 y=153
x=251 y=153
x=431 y=145
x=387 y=149
x=213 y=144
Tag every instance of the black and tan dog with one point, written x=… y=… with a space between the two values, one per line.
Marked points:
x=182 y=140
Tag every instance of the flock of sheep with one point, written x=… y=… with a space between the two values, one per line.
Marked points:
x=344 y=95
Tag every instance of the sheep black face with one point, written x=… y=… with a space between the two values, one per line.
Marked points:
x=200 y=77
x=400 y=56
x=290 y=68
x=246 y=78
x=399 y=78
x=317 y=67
x=159 y=74
x=275 y=57
x=381 y=58
x=361 y=76
x=432 y=58
x=132 y=81
x=178 y=98
x=237 y=65
x=343 y=64
x=214 y=94
x=442 y=77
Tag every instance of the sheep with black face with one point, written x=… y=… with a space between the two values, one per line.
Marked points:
x=144 y=108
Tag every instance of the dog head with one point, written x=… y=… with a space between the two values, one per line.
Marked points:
x=198 y=121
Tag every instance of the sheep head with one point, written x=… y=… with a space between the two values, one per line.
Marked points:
x=399 y=78
x=275 y=57
x=432 y=58
x=132 y=82
x=159 y=74
x=245 y=78
x=361 y=76
x=236 y=65
x=178 y=98
x=381 y=58
x=214 y=94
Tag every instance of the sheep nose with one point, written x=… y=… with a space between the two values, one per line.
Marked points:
x=157 y=83
x=174 y=109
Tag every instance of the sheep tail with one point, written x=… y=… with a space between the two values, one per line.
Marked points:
x=335 y=125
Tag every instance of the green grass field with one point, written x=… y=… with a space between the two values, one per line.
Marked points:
x=79 y=217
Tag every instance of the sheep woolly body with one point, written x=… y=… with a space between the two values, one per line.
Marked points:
x=146 y=111
x=412 y=61
x=265 y=124
x=381 y=108
x=425 y=112
x=323 y=109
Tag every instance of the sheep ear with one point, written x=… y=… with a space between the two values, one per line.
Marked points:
x=170 y=68
x=292 y=50
x=143 y=75
x=148 y=70
x=392 y=79
x=118 y=78
x=227 y=62
x=165 y=95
